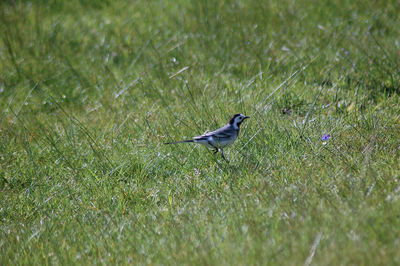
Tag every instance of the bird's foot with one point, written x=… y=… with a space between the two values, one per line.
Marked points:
x=223 y=156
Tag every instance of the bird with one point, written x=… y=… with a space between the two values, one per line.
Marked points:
x=220 y=138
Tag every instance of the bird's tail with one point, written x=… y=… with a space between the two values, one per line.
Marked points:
x=182 y=141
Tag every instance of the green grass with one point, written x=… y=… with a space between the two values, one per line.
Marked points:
x=89 y=91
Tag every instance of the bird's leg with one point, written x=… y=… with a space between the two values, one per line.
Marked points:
x=216 y=150
x=223 y=156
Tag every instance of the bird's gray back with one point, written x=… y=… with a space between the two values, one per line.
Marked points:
x=224 y=131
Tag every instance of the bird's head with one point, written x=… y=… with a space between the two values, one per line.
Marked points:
x=237 y=119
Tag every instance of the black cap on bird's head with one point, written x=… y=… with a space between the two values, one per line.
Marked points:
x=238 y=119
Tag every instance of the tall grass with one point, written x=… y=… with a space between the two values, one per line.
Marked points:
x=90 y=90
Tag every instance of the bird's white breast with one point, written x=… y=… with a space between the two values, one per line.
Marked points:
x=221 y=142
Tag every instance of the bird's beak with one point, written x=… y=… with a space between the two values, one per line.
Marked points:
x=246 y=117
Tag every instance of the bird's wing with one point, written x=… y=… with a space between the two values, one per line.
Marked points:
x=223 y=132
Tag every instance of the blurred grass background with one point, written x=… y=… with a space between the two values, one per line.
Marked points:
x=89 y=91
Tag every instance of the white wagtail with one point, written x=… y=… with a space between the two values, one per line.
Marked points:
x=221 y=137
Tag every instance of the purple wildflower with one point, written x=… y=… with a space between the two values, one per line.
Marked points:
x=325 y=137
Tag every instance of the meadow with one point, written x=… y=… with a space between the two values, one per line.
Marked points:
x=90 y=91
